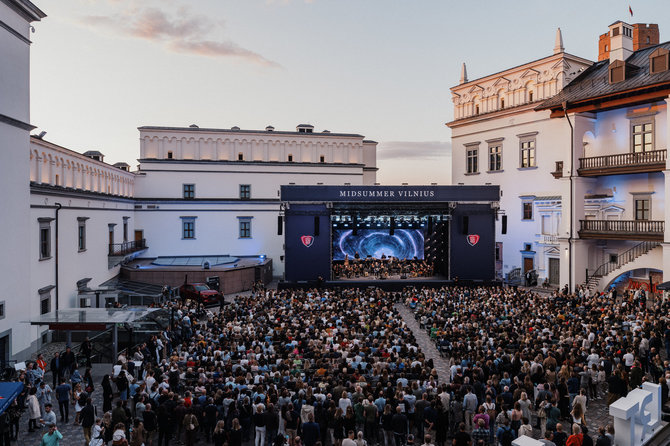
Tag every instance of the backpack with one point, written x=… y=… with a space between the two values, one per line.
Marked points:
x=507 y=437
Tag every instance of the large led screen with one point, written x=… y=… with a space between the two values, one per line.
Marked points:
x=403 y=244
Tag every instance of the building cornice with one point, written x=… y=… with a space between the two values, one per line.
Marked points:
x=60 y=191
x=16 y=123
x=248 y=132
x=247 y=163
x=69 y=152
x=25 y=9
x=518 y=68
x=483 y=117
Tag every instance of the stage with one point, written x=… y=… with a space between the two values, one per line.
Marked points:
x=393 y=284
x=389 y=237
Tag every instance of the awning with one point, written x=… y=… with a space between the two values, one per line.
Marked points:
x=8 y=393
x=665 y=286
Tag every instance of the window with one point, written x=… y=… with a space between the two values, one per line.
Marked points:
x=528 y=153
x=530 y=96
x=2 y=309
x=615 y=31
x=472 y=156
x=45 y=304
x=642 y=208
x=658 y=61
x=290 y=158
x=81 y=233
x=45 y=237
x=188 y=228
x=546 y=225
x=477 y=109
x=643 y=137
x=527 y=210
x=322 y=159
x=245 y=228
x=617 y=71
x=240 y=156
x=189 y=191
x=245 y=191
x=502 y=103
x=169 y=155
x=45 y=299
x=125 y=229
x=495 y=158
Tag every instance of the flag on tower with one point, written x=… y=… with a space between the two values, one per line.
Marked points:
x=630 y=10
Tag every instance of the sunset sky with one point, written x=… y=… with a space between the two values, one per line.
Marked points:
x=381 y=68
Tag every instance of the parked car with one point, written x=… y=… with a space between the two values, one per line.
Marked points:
x=200 y=292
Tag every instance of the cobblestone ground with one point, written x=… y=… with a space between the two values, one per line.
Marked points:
x=427 y=346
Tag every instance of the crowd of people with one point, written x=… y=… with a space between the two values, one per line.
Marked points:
x=342 y=368
x=382 y=268
x=520 y=357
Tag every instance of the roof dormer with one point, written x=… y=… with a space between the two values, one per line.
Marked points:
x=658 y=61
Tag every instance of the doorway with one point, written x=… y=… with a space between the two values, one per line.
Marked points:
x=554 y=271
x=139 y=235
x=527 y=264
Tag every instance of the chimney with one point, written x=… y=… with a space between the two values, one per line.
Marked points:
x=644 y=36
x=621 y=41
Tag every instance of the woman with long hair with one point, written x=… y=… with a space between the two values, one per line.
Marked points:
x=78 y=403
x=235 y=437
x=338 y=427
x=219 y=434
x=107 y=394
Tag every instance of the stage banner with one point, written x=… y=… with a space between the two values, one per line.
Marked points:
x=472 y=242
x=390 y=194
x=307 y=242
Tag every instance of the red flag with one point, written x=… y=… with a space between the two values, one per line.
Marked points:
x=630 y=10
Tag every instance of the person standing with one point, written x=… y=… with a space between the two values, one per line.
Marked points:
x=191 y=427
x=56 y=369
x=63 y=392
x=33 y=409
x=87 y=418
x=43 y=395
x=86 y=350
x=69 y=362
x=107 y=394
x=400 y=427
x=52 y=438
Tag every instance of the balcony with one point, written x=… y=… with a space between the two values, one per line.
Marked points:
x=548 y=239
x=125 y=248
x=120 y=252
x=622 y=229
x=622 y=163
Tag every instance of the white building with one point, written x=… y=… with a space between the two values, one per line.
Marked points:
x=216 y=191
x=581 y=204
x=15 y=18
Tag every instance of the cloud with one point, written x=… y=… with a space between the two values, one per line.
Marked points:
x=428 y=150
x=182 y=32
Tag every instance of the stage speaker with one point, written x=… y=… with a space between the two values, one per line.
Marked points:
x=280 y=225
x=355 y=221
x=392 y=229
x=316 y=225
x=464 y=224
x=430 y=225
x=504 y=224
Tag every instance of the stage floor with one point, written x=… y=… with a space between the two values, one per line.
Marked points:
x=391 y=278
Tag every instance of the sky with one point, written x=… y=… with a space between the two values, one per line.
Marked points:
x=381 y=68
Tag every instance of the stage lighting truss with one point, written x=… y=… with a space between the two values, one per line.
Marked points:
x=386 y=220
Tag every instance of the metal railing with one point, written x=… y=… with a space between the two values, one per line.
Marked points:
x=120 y=249
x=548 y=239
x=622 y=259
x=623 y=160
x=646 y=227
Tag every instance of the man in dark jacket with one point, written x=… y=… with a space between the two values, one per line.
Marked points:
x=87 y=416
x=56 y=365
x=310 y=431
x=399 y=423
x=68 y=362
